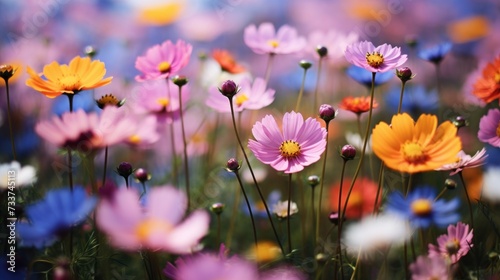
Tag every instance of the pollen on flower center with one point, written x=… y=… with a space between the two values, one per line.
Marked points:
x=452 y=246
x=374 y=59
x=149 y=226
x=421 y=207
x=163 y=101
x=273 y=43
x=164 y=67
x=134 y=139
x=290 y=148
x=71 y=82
x=413 y=152
x=240 y=99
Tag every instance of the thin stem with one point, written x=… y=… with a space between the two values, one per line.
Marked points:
x=468 y=199
x=105 y=165
x=358 y=122
x=401 y=96
x=253 y=177
x=313 y=189
x=172 y=143
x=379 y=187
x=301 y=91
x=236 y=204
x=323 y=170
x=70 y=159
x=289 y=231
x=9 y=118
x=184 y=142
x=440 y=194
x=341 y=215
x=268 y=67
x=356 y=265
x=249 y=208
x=317 y=84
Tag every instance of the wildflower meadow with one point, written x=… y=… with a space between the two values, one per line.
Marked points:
x=250 y=139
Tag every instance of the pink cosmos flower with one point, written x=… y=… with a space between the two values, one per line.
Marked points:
x=489 y=128
x=156 y=225
x=375 y=59
x=251 y=97
x=427 y=267
x=284 y=272
x=301 y=143
x=454 y=245
x=465 y=161
x=265 y=40
x=161 y=61
x=336 y=43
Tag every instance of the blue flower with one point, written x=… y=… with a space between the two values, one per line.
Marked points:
x=416 y=100
x=420 y=209
x=364 y=77
x=436 y=53
x=258 y=209
x=54 y=215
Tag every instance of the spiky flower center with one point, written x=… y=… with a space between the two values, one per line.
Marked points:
x=108 y=99
x=413 y=153
x=273 y=43
x=374 y=59
x=70 y=82
x=149 y=226
x=289 y=148
x=240 y=99
x=452 y=246
x=164 y=67
x=421 y=207
x=163 y=101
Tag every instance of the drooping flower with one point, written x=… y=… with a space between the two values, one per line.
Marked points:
x=80 y=74
x=301 y=143
x=465 y=161
x=454 y=245
x=51 y=217
x=14 y=173
x=265 y=39
x=155 y=226
x=364 y=77
x=421 y=209
x=357 y=105
x=427 y=267
x=416 y=147
x=487 y=86
x=251 y=96
x=227 y=61
x=361 y=201
x=280 y=209
x=162 y=61
x=209 y=266
x=382 y=58
x=435 y=53
x=489 y=128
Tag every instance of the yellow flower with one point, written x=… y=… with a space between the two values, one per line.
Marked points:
x=80 y=74
x=412 y=147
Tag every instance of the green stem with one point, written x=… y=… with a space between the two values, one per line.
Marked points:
x=184 y=142
x=317 y=84
x=268 y=67
x=341 y=215
x=9 y=119
x=379 y=187
x=321 y=186
x=289 y=231
x=249 y=208
x=468 y=199
x=301 y=92
x=401 y=97
x=105 y=165
x=233 y=219
x=313 y=189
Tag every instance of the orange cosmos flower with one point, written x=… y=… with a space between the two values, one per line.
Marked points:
x=415 y=147
x=357 y=105
x=227 y=61
x=80 y=74
x=487 y=87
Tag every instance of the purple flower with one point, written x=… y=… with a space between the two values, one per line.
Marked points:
x=489 y=128
x=265 y=40
x=375 y=59
x=454 y=245
x=301 y=143
x=465 y=161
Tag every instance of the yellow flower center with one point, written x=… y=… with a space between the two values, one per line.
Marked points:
x=163 y=101
x=498 y=129
x=497 y=77
x=452 y=246
x=134 y=139
x=413 y=152
x=374 y=59
x=240 y=99
x=164 y=67
x=150 y=226
x=273 y=43
x=71 y=82
x=421 y=207
x=289 y=148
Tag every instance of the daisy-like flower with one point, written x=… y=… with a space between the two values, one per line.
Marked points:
x=227 y=62
x=454 y=245
x=265 y=39
x=162 y=61
x=155 y=226
x=251 y=96
x=209 y=266
x=436 y=53
x=280 y=209
x=421 y=209
x=487 y=87
x=23 y=176
x=489 y=128
x=375 y=59
x=301 y=143
x=357 y=105
x=465 y=161
x=80 y=74
x=54 y=215
x=412 y=147
x=427 y=267
x=385 y=231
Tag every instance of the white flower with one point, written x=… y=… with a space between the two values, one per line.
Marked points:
x=356 y=140
x=491 y=185
x=281 y=209
x=375 y=234
x=12 y=172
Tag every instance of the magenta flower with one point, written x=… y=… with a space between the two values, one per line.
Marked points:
x=465 y=161
x=209 y=266
x=489 y=128
x=265 y=40
x=454 y=245
x=427 y=267
x=301 y=143
x=155 y=226
x=250 y=97
x=161 y=61
x=375 y=59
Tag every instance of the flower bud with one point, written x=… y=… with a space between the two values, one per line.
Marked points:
x=142 y=175
x=334 y=218
x=62 y=270
x=232 y=165
x=404 y=74
x=450 y=184
x=327 y=112
x=180 y=80
x=124 y=169
x=217 y=208
x=229 y=89
x=90 y=51
x=460 y=121
x=7 y=71
x=322 y=51
x=305 y=64
x=348 y=152
x=109 y=100
x=313 y=180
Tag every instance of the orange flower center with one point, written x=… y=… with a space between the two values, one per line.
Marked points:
x=497 y=77
x=149 y=226
x=421 y=207
x=289 y=148
x=374 y=59
x=71 y=82
x=413 y=152
x=498 y=129
x=134 y=139
x=452 y=246
x=163 y=101
x=273 y=43
x=164 y=67
x=240 y=99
